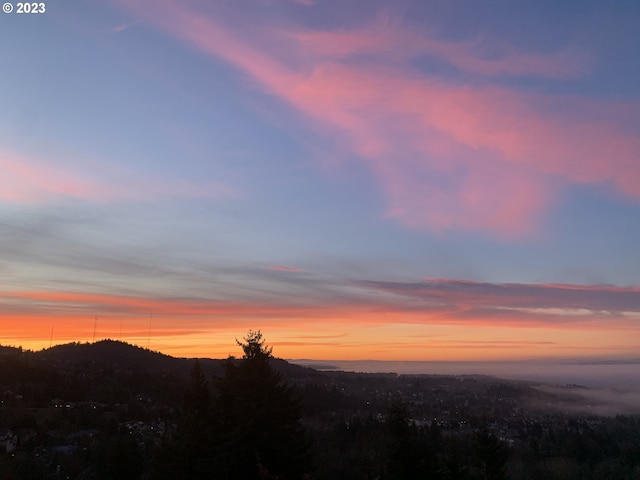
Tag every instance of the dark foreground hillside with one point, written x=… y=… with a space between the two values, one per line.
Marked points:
x=110 y=410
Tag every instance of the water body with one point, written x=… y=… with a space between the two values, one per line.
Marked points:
x=618 y=374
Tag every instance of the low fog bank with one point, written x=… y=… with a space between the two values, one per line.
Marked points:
x=603 y=402
x=597 y=387
x=623 y=375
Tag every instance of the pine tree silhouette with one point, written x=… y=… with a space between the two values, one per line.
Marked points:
x=259 y=418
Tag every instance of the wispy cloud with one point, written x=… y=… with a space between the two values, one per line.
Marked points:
x=23 y=180
x=122 y=27
x=440 y=319
x=448 y=156
x=435 y=302
x=30 y=180
x=283 y=268
x=537 y=303
x=389 y=38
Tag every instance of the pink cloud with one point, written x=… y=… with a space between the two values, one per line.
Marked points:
x=463 y=298
x=428 y=302
x=59 y=302
x=446 y=156
x=392 y=37
x=25 y=179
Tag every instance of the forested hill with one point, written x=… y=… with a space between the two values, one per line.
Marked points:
x=121 y=355
x=112 y=352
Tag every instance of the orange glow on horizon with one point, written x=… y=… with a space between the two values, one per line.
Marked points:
x=462 y=320
x=346 y=338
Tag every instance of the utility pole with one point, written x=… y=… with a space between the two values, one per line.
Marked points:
x=149 y=334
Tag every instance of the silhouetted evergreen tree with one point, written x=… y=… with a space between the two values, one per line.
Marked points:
x=190 y=454
x=118 y=457
x=492 y=455
x=404 y=459
x=455 y=465
x=199 y=439
x=198 y=398
x=258 y=418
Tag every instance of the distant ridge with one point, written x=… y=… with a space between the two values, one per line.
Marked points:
x=121 y=354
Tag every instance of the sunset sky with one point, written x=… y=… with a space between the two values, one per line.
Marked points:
x=391 y=180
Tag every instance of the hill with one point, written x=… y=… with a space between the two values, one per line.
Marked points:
x=120 y=355
x=116 y=354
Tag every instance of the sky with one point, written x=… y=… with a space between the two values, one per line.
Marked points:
x=408 y=180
